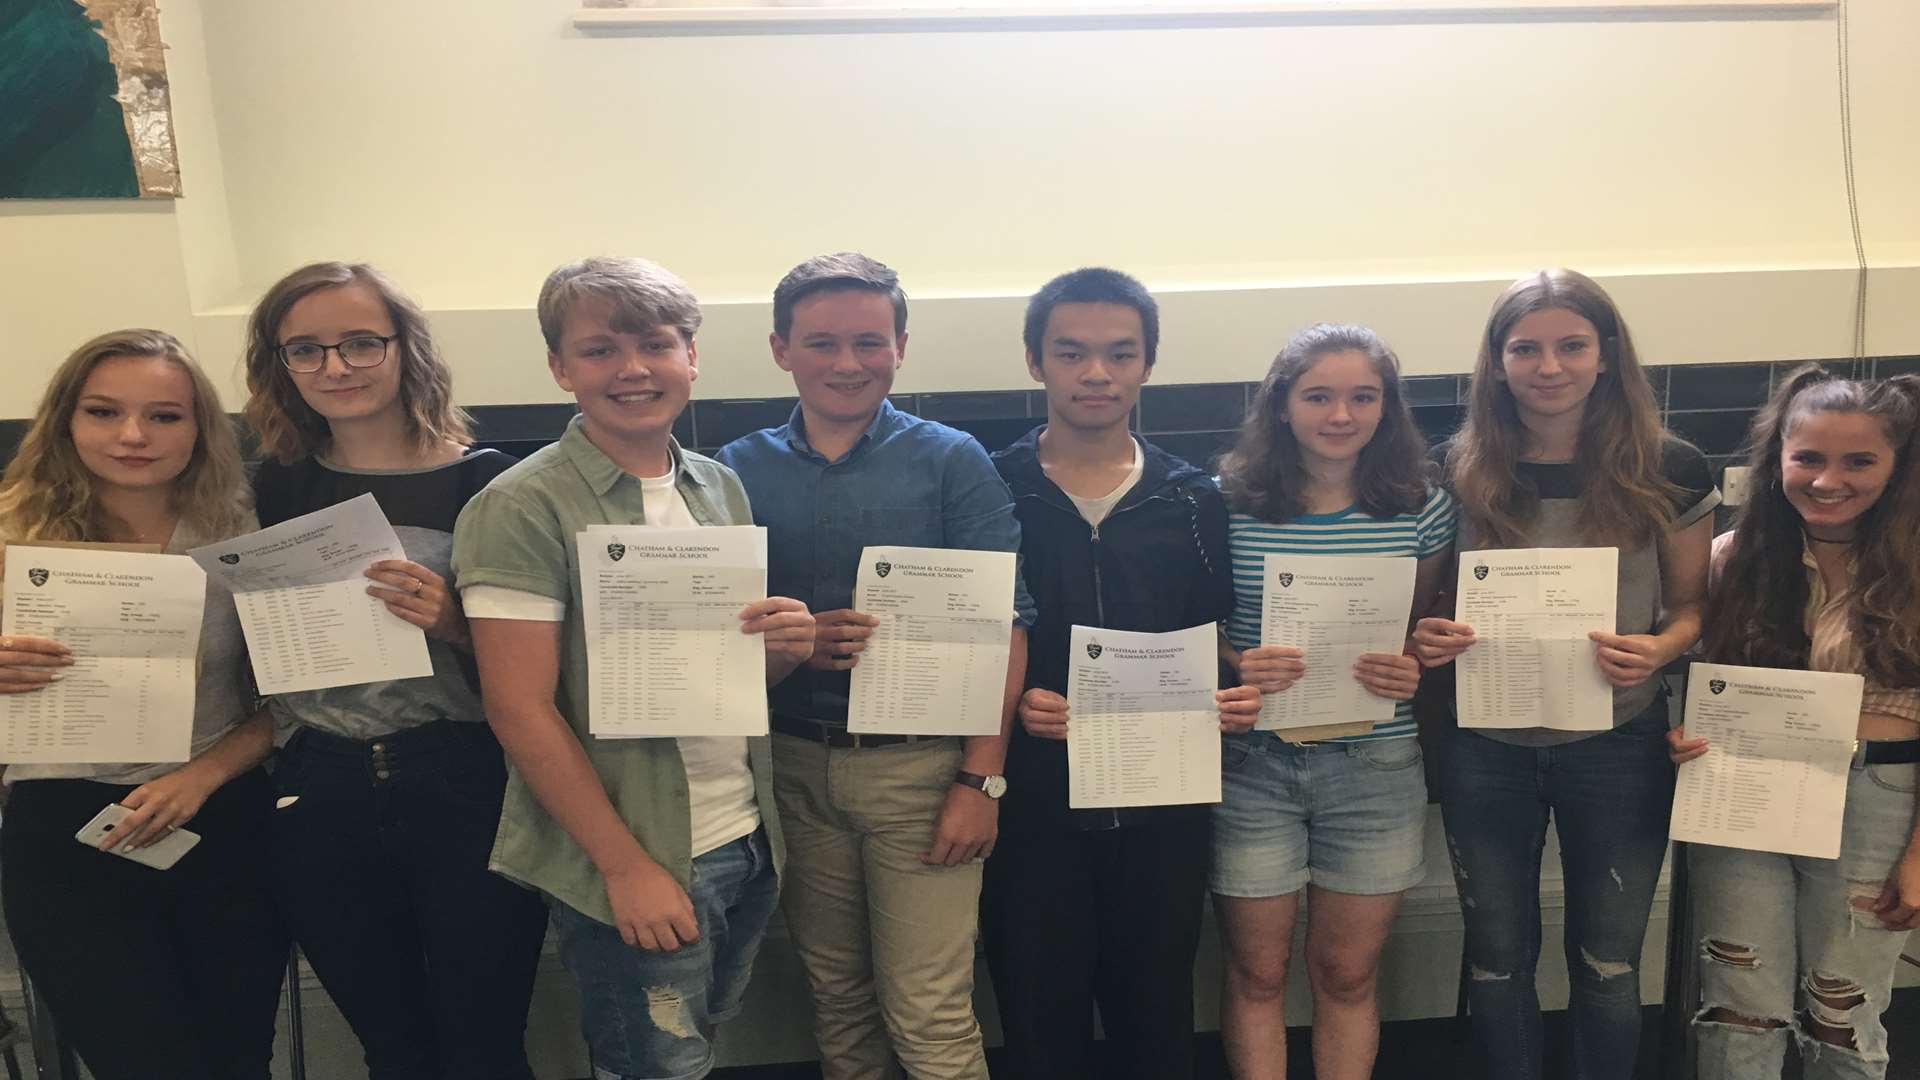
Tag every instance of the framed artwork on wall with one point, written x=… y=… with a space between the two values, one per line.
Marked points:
x=84 y=106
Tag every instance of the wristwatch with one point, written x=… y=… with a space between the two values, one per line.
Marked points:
x=992 y=786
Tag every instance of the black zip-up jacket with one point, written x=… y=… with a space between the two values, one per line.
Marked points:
x=1158 y=562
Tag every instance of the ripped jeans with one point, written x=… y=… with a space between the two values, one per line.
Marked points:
x=650 y=1015
x=1609 y=797
x=1785 y=950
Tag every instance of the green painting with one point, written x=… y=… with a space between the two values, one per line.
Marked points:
x=84 y=107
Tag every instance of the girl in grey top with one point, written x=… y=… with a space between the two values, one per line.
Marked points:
x=131 y=446
x=390 y=791
x=1563 y=447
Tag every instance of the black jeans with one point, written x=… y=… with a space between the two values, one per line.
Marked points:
x=381 y=866
x=149 y=974
x=1112 y=916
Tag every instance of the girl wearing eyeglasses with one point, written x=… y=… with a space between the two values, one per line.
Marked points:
x=390 y=792
x=147 y=973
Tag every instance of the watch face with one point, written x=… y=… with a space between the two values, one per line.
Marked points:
x=995 y=786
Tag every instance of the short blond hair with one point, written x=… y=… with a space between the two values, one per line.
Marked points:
x=642 y=294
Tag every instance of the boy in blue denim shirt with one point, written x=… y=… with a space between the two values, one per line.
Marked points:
x=887 y=832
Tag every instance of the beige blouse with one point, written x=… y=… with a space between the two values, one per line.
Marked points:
x=1834 y=648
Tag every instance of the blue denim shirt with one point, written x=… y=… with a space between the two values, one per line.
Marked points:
x=907 y=481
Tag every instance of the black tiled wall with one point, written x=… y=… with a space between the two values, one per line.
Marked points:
x=1710 y=405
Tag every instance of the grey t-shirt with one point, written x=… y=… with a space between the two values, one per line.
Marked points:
x=223 y=691
x=1640 y=609
x=422 y=505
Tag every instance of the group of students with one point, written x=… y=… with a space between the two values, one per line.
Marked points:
x=417 y=837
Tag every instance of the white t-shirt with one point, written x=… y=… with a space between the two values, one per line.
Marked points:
x=719 y=782
x=1096 y=510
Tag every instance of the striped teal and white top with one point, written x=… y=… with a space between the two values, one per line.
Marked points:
x=1348 y=532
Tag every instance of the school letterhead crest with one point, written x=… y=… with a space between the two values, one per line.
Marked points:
x=37 y=576
x=1480 y=572
x=1286 y=580
x=1718 y=686
x=616 y=552
x=230 y=558
x=883 y=568
x=1094 y=650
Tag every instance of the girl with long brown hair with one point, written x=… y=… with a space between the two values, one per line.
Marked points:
x=149 y=973
x=392 y=790
x=1822 y=573
x=1563 y=447
x=1329 y=463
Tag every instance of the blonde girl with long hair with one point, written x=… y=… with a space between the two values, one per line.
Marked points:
x=148 y=973
x=395 y=787
x=1563 y=447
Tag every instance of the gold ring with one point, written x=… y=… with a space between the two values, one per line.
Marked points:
x=417 y=585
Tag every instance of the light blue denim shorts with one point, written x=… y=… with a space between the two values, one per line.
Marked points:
x=1348 y=817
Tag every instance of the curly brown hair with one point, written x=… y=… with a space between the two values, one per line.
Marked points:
x=1757 y=614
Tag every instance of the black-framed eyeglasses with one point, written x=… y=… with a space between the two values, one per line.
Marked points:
x=360 y=351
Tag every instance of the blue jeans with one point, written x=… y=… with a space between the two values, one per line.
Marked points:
x=1780 y=931
x=650 y=1015
x=1609 y=797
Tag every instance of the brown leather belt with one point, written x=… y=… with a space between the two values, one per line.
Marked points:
x=840 y=738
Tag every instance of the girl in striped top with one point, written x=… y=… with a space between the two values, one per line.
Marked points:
x=1328 y=463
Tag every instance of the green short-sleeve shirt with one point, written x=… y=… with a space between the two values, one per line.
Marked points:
x=519 y=534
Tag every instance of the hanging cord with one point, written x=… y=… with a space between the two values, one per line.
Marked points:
x=1853 y=195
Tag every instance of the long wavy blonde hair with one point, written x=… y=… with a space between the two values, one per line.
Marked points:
x=287 y=427
x=48 y=494
x=1625 y=499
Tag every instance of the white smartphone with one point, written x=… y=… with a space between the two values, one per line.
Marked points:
x=161 y=854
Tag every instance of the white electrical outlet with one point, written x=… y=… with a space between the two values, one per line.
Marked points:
x=1733 y=486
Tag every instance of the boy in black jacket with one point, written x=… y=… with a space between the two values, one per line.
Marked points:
x=1082 y=906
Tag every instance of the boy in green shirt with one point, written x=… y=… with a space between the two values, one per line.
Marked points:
x=657 y=856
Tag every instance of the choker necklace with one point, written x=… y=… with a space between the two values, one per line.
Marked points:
x=1823 y=540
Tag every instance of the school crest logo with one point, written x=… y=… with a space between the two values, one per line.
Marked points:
x=1480 y=572
x=1717 y=685
x=1094 y=650
x=230 y=558
x=616 y=552
x=883 y=568
x=37 y=576
x=1286 y=581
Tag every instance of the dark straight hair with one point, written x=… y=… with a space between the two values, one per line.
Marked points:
x=1092 y=285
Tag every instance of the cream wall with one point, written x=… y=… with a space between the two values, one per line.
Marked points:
x=1263 y=177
